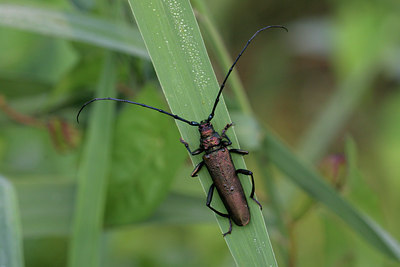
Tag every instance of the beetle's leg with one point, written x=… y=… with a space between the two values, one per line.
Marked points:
x=229 y=125
x=223 y=134
x=208 y=204
x=196 y=152
x=247 y=172
x=209 y=199
x=239 y=151
x=230 y=228
x=226 y=143
x=197 y=169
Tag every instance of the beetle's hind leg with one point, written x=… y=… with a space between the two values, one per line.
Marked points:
x=247 y=172
x=230 y=228
x=208 y=204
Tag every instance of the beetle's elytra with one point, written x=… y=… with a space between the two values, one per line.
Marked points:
x=217 y=157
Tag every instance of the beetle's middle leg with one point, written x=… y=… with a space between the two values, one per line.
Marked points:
x=247 y=172
x=208 y=204
x=197 y=168
x=239 y=151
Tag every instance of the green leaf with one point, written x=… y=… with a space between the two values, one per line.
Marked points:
x=11 y=254
x=46 y=60
x=173 y=40
x=92 y=173
x=145 y=160
x=74 y=26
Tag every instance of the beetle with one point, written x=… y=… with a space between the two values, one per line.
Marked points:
x=217 y=156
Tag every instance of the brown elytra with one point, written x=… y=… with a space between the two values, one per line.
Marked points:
x=223 y=173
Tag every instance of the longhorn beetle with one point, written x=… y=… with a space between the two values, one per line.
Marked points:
x=216 y=158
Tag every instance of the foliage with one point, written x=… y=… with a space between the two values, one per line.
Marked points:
x=128 y=168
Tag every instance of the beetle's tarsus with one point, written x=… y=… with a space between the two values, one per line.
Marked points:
x=230 y=229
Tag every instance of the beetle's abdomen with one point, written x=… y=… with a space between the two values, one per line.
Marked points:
x=223 y=174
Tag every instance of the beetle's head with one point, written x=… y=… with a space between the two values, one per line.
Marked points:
x=206 y=129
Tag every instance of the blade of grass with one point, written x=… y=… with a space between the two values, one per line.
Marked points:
x=172 y=37
x=74 y=26
x=307 y=179
x=10 y=227
x=92 y=173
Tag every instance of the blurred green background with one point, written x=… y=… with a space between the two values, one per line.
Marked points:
x=329 y=88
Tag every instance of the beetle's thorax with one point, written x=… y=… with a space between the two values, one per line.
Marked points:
x=210 y=140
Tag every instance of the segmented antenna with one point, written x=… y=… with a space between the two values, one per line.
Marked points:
x=211 y=116
x=176 y=117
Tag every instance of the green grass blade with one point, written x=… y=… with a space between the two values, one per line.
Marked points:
x=307 y=179
x=173 y=40
x=11 y=254
x=92 y=173
x=74 y=26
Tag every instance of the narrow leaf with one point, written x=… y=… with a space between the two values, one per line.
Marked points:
x=11 y=254
x=92 y=173
x=74 y=26
x=173 y=40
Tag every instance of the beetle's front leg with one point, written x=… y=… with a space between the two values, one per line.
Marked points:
x=229 y=125
x=196 y=152
x=223 y=134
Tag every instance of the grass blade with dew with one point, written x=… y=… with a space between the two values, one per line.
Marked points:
x=176 y=48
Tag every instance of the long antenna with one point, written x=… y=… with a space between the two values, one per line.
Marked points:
x=176 y=117
x=211 y=116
